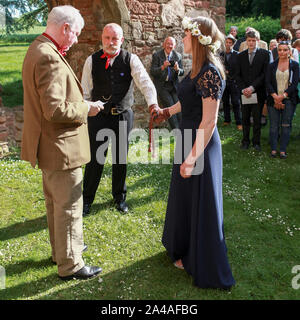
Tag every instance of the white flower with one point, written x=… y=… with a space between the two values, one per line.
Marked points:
x=204 y=40
x=186 y=22
x=196 y=32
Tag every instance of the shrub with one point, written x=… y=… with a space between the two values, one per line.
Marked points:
x=267 y=26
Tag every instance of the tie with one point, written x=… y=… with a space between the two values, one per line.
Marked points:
x=251 y=57
x=108 y=56
x=169 y=71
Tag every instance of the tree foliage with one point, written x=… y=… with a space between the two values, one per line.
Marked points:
x=248 y=8
x=30 y=13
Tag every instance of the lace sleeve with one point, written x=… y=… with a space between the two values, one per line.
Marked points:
x=210 y=84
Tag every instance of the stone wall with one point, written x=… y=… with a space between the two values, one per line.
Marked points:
x=11 y=124
x=146 y=23
x=290 y=15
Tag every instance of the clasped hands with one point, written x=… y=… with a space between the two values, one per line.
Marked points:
x=248 y=92
x=159 y=115
x=278 y=101
x=168 y=64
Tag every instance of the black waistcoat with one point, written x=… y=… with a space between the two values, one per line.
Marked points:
x=113 y=83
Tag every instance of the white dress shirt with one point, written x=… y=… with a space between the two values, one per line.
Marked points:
x=138 y=73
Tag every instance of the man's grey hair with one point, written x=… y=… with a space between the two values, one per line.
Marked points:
x=234 y=28
x=65 y=14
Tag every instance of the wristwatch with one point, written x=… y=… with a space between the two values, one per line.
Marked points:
x=285 y=95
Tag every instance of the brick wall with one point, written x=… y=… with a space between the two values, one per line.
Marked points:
x=146 y=23
x=289 y=19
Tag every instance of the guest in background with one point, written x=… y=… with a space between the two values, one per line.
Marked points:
x=233 y=31
x=166 y=67
x=250 y=76
x=260 y=44
x=282 y=80
x=283 y=35
x=297 y=35
x=238 y=42
x=272 y=45
x=231 y=92
x=296 y=45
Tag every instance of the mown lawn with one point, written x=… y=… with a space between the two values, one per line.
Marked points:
x=12 y=52
x=261 y=216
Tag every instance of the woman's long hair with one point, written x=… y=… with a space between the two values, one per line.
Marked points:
x=203 y=54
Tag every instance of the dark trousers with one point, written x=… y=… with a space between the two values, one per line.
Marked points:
x=110 y=129
x=231 y=92
x=168 y=96
x=255 y=110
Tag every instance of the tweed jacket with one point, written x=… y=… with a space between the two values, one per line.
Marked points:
x=55 y=115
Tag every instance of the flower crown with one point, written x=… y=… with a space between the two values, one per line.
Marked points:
x=204 y=40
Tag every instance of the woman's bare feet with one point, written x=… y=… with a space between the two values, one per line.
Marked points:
x=178 y=264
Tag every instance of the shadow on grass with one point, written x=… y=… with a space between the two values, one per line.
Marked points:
x=134 y=281
x=21 y=229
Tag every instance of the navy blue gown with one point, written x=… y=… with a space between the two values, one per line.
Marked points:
x=193 y=229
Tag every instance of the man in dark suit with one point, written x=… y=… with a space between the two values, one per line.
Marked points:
x=229 y=57
x=250 y=76
x=165 y=68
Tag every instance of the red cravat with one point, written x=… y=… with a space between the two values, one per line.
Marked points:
x=108 y=57
x=61 y=51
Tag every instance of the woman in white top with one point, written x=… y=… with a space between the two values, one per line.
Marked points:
x=281 y=81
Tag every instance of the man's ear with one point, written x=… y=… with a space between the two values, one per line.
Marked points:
x=64 y=28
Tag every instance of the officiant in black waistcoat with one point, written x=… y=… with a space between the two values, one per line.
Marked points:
x=109 y=75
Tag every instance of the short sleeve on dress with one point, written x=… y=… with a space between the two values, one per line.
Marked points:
x=210 y=84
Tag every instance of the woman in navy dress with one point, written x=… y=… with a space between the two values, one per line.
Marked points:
x=193 y=232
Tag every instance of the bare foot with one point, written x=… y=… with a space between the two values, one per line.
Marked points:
x=178 y=264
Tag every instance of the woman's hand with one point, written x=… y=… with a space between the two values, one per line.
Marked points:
x=186 y=169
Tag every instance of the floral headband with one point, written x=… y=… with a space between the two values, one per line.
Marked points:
x=204 y=40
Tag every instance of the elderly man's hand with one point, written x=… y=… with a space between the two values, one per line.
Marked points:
x=95 y=108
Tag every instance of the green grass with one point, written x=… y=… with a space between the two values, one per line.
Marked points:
x=12 y=52
x=261 y=218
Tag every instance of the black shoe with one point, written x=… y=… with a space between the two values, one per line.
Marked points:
x=244 y=146
x=122 y=206
x=84 y=273
x=273 y=154
x=86 y=209
x=257 y=147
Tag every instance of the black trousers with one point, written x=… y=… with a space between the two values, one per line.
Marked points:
x=255 y=110
x=103 y=129
x=168 y=96
x=231 y=92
